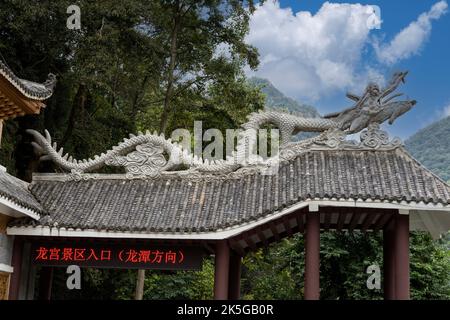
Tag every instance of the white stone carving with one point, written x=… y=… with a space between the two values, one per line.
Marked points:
x=148 y=155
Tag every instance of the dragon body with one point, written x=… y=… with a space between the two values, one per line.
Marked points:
x=129 y=152
x=149 y=154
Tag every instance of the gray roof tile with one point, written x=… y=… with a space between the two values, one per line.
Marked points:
x=183 y=205
x=17 y=192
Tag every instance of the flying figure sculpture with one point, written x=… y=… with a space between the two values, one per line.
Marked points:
x=375 y=106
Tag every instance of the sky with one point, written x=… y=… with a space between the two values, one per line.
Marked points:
x=315 y=52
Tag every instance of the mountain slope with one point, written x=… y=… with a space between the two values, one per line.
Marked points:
x=277 y=100
x=431 y=146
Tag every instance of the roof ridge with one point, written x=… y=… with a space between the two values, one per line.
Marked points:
x=188 y=175
x=18 y=192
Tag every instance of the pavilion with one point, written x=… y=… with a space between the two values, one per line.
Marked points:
x=167 y=199
x=18 y=97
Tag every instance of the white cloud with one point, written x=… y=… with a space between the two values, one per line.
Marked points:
x=410 y=40
x=309 y=55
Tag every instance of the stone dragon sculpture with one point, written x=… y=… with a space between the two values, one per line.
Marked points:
x=149 y=154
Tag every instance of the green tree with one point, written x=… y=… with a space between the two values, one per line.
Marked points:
x=278 y=272
x=190 y=34
x=133 y=64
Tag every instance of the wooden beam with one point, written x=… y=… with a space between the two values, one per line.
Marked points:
x=261 y=236
x=354 y=221
x=235 y=246
x=327 y=220
x=245 y=236
x=341 y=220
x=287 y=226
x=369 y=219
x=274 y=230
x=383 y=221
x=207 y=247
x=300 y=224
x=250 y=243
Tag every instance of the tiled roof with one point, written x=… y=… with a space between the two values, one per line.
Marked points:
x=16 y=191
x=31 y=90
x=196 y=205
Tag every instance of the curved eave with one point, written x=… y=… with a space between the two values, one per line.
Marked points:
x=15 y=210
x=434 y=218
x=29 y=89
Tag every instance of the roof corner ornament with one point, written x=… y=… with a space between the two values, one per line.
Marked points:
x=149 y=155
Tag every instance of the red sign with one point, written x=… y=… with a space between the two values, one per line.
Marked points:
x=118 y=256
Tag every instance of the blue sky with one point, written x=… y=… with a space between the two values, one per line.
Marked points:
x=315 y=51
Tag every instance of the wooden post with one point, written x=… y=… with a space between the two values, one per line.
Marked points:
x=312 y=256
x=402 y=257
x=222 y=265
x=17 y=267
x=234 y=281
x=140 y=279
x=45 y=283
x=389 y=261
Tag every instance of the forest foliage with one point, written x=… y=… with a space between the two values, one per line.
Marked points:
x=431 y=146
x=159 y=65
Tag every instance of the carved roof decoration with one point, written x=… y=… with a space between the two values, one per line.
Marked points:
x=19 y=97
x=143 y=155
x=168 y=190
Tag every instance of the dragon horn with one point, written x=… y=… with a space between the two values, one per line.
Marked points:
x=45 y=158
x=40 y=140
x=37 y=148
x=48 y=137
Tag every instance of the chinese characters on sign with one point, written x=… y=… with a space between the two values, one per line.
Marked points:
x=179 y=258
